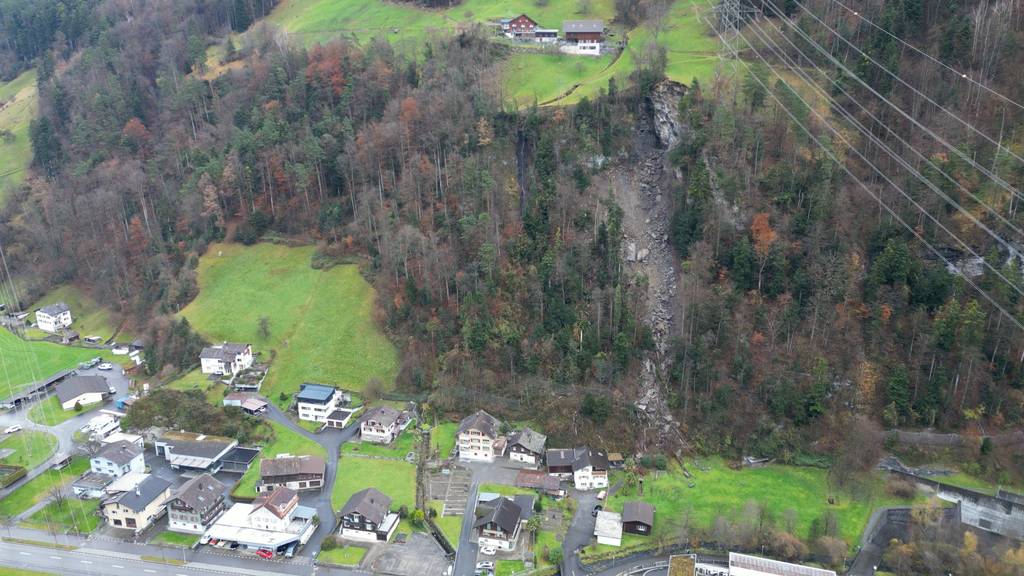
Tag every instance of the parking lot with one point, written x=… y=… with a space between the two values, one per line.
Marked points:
x=451 y=488
x=418 y=556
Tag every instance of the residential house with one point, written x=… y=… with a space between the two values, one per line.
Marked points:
x=53 y=318
x=637 y=518
x=81 y=391
x=123 y=436
x=498 y=524
x=297 y=473
x=379 y=425
x=587 y=467
x=746 y=565
x=367 y=517
x=274 y=521
x=137 y=509
x=195 y=505
x=117 y=459
x=126 y=483
x=194 y=451
x=538 y=480
x=315 y=402
x=226 y=359
x=478 y=437
x=583 y=36
x=608 y=528
x=521 y=26
x=91 y=485
x=527 y=446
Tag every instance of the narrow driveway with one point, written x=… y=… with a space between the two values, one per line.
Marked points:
x=331 y=439
x=580 y=532
x=465 y=557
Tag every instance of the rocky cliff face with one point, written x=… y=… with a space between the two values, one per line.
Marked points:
x=665 y=107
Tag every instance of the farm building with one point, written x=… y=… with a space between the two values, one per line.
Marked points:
x=297 y=473
x=583 y=37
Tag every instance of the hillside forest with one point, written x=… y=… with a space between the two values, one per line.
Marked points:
x=808 y=319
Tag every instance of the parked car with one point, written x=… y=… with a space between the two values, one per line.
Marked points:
x=12 y=429
x=601 y=495
x=485 y=565
x=264 y=553
x=106 y=366
x=95 y=361
x=488 y=551
x=233 y=545
x=597 y=509
x=290 y=551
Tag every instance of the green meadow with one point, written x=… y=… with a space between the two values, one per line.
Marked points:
x=18 y=105
x=321 y=325
x=394 y=478
x=90 y=318
x=22 y=363
x=286 y=441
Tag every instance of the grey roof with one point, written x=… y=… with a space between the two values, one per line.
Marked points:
x=143 y=495
x=200 y=494
x=504 y=513
x=1010 y=496
x=590 y=457
x=583 y=26
x=370 y=503
x=525 y=503
x=75 y=386
x=225 y=352
x=315 y=393
x=93 y=480
x=198 y=445
x=560 y=456
x=55 y=309
x=279 y=502
x=529 y=439
x=120 y=452
x=637 y=511
x=290 y=465
x=386 y=415
x=482 y=422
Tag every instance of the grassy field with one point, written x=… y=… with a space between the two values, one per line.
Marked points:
x=22 y=363
x=546 y=77
x=321 y=321
x=39 y=488
x=90 y=318
x=405 y=443
x=5 y=571
x=72 y=514
x=344 y=556
x=196 y=380
x=19 y=102
x=394 y=478
x=31 y=448
x=442 y=438
x=506 y=490
x=50 y=413
x=175 y=539
x=286 y=441
x=450 y=526
x=723 y=491
x=508 y=567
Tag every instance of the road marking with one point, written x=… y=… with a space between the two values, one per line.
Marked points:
x=86 y=562
x=55 y=558
x=118 y=566
x=150 y=571
x=25 y=553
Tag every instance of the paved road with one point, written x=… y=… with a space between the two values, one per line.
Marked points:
x=465 y=557
x=331 y=439
x=580 y=533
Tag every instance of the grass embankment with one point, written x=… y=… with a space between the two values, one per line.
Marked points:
x=49 y=412
x=321 y=321
x=450 y=526
x=343 y=556
x=722 y=491
x=70 y=515
x=405 y=443
x=31 y=448
x=196 y=380
x=90 y=318
x=19 y=103
x=442 y=438
x=286 y=441
x=27 y=362
x=508 y=567
x=169 y=538
x=37 y=489
x=394 y=478
x=5 y=571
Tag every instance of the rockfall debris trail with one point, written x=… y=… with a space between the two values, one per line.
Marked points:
x=639 y=190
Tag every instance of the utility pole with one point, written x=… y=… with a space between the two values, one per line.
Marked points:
x=731 y=15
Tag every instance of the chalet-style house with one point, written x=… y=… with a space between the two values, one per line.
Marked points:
x=117 y=459
x=225 y=359
x=194 y=506
x=527 y=446
x=367 y=517
x=81 y=391
x=583 y=36
x=521 y=26
x=315 y=402
x=478 y=437
x=637 y=518
x=137 y=509
x=380 y=425
x=499 y=523
x=587 y=467
x=274 y=521
x=297 y=473
x=53 y=318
